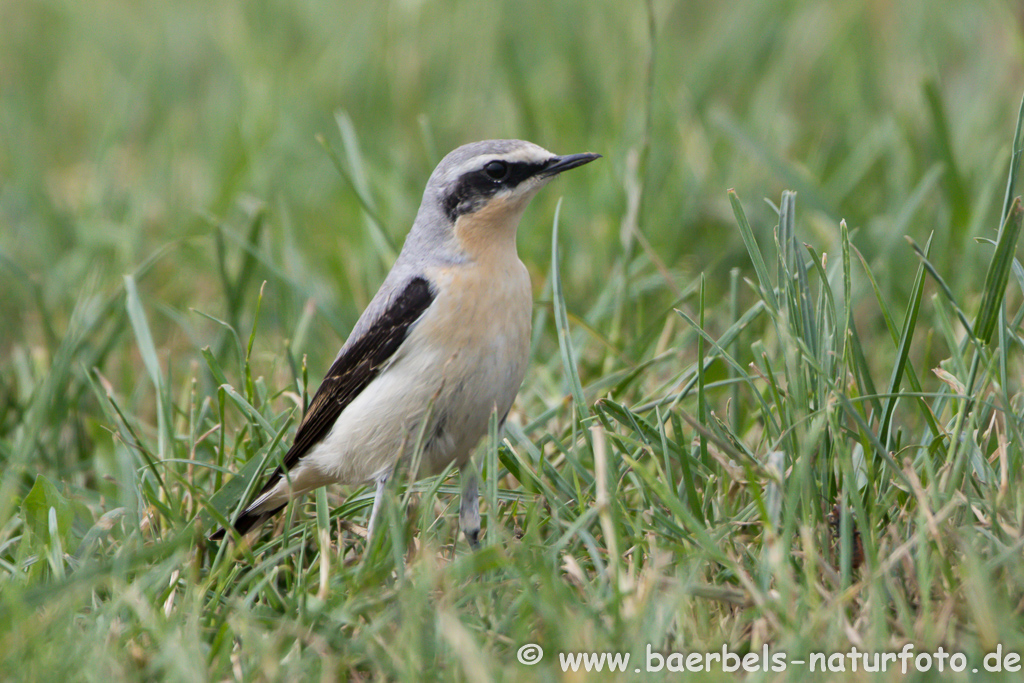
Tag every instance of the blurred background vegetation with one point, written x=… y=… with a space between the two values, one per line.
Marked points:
x=205 y=148
x=158 y=130
x=128 y=127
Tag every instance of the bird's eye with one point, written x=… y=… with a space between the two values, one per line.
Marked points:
x=496 y=170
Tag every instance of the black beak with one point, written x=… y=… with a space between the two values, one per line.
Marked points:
x=558 y=164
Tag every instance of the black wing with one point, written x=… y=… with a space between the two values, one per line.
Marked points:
x=355 y=369
x=351 y=372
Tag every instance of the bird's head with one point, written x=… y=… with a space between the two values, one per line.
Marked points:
x=496 y=171
x=480 y=190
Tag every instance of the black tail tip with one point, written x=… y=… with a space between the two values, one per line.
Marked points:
x=245 y=523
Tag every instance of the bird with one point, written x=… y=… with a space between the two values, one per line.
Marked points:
x=442 y=345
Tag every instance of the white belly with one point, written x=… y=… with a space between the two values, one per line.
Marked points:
x=465 y=360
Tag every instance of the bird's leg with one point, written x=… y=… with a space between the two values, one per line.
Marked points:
x=469 y=509
x=382 y=481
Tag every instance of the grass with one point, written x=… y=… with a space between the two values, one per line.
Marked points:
x=794 y=423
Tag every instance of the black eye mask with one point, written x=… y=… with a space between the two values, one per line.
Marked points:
x=474 y=188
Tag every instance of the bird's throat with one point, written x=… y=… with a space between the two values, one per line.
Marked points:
x=489 y=235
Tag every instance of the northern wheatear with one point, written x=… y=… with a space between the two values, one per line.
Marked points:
x=449 y=329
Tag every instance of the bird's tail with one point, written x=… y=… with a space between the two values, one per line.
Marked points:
x=247 y=521
x=270 y=501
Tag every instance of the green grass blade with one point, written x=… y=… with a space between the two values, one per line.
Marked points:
x=998 y=274
x=767 y=290
x=565 y=346
x=903 y=351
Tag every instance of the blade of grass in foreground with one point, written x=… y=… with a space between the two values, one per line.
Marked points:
x=562 y=325
x=903 y=351
x=767 y=290
x=998 y=274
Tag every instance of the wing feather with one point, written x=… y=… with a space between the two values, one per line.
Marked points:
x=355 y=368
